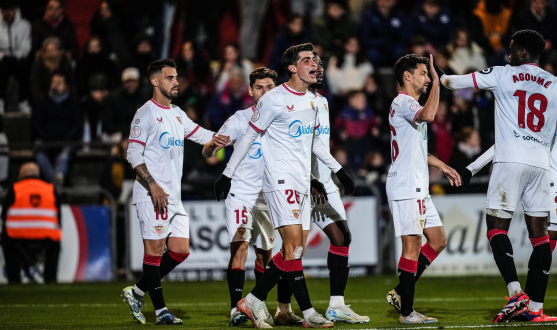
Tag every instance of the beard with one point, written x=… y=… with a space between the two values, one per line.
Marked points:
x=167 y=93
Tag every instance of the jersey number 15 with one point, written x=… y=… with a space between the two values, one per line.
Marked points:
x=534 y=112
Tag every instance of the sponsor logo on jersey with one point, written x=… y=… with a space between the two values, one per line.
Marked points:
x=258 y=153
x=255 y=115
x=158 y=229
x=179 y=119
x=423 y=130
x=290 y=108
x=296 y=213
x=312 y=105
x=323 y=130
x=135 y=131
x=296 y=129
x=221 y=130
x=160 y=120
x=531 y=138
x=166 y=141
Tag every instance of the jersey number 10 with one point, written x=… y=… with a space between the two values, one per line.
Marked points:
x=534 y=112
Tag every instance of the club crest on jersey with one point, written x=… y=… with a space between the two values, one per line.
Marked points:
x=290 y=109
x=312 y=105
x=255 y=115
x=179 y=120
x=326 y=108
x=135 y=132
x=241 y=231
x=415 y=107
x=422 y=223
x=158 y=229
x=221 y=130
x=160 y=120
x=296 y=213
x=260 y=104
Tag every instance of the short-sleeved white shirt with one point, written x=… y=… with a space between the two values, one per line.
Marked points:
x=408 y=176
x=525 y=112
x=248 y=177
x=287 y=120
x=319 y=170
x=163 y=130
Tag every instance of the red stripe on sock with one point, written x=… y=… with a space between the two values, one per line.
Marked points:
x=552 y=243
x=178 y=257
x=429 y=252
x=494 y=232
x=339 y=250
x=539 y=240
x=408 y=265
x=151 y=260
x=258 y=267
x=293 y=265
x=279 y=261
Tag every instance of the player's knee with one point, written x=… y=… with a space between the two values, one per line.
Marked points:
x=440 y=244
x=502 y=214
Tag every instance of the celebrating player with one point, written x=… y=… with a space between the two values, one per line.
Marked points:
x=408 y=181
x=156 y=152
x=247 y=214
x=287 y=117
x=521 y=167
x=330 y=216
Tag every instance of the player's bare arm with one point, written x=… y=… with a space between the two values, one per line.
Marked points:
x=427 y=114
x=212 y=147
x=447 y=171
x=159 y=197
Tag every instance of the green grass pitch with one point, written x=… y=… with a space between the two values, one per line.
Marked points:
x=459 y=302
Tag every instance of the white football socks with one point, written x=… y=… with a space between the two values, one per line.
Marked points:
x=336 y=301
x=158 y=311
x=233 y=311
x=534 y=306
x=514 y=288
x=308 y=312
x=252 y=300
x=138 y=291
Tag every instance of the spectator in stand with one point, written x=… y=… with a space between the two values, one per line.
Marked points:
x=467 y=149
x=93 y=105
x=55 y=24
x=418 y=45
x=107 y=25
x=142 y=56
x=15 y=45
x=349 y=69
x=49 y=59
x=4 y=155
x=122 y=104
x=330 y=30
x=384 y=33
x=358 y=128
x=94 y=63
x=433 y=22
x=293 y=33
x=230 y=60
x=495 y=18
x=57 y=118
x=441 y=59
x=465 y=54
x=196 y=69
x=234 y=96
x=538 y=17
x=440 y=138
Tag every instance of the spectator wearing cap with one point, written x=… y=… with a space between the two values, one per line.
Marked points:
x=15 y=45
x=54 y=23
x=433 y=22
x=331 y=29
x=122 y=105
x=384 y=33
x=57 y=118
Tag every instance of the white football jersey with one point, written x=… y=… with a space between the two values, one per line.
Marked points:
x=288 y=119
x=525 y=112
x=319 y=170
x=248 y=178
x=553 y=167
x=408 y=176
x=163 y=130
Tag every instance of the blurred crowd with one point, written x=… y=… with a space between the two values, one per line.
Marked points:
x=78 y=69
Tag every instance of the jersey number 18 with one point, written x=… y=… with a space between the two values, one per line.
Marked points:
x=534 y=112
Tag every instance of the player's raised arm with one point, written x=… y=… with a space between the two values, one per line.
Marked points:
x=447 y=171
x=428 y=112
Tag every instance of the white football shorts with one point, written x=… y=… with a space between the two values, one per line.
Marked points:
x=512 y=182
x=553 y=208
x=247 y=219
x=412 y=216
x=288 y=207
x=324 y=215
x=175 y=221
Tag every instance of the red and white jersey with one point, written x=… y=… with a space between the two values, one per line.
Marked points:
x=525 y=112
x=288 y=119
x=248 y=177
x=163 y=130
x=408 y=176
x=319 y=170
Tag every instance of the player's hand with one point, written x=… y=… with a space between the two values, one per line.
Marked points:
x=318 y=192
x=159 y=198
x=452 y=175
x=466 y=176
x=222 y=187
x=432 y=70
x=219 y=142
x=347 y=182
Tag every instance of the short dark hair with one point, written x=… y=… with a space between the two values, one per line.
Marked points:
x=292 y=55
x=408 y=63
x=157 y=66
x=61 y=73
x=262 y=73
x=530 y=40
